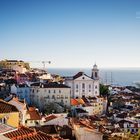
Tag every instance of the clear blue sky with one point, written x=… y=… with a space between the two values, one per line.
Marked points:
x=71 y=33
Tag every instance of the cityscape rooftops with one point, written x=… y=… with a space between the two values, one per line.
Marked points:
x=24 y=133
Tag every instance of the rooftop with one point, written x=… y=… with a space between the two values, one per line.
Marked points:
x=25 y=133
x=50 y=85
x=6 y=107
x=34 y=114
x=5 y=128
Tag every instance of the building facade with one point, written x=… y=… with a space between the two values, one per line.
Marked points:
x=9 y=64
x=9 y=114
x=42 y=94
x=22 y=91
x=84 y=85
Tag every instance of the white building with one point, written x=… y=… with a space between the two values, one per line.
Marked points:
x=84 y=85
x=22 y=91
x=43 y=93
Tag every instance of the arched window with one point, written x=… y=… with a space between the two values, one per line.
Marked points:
x=96 y=74
x=83 y=85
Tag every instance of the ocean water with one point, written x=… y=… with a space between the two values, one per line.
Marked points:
x=119 y=77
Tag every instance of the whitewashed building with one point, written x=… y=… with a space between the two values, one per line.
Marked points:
x=84 y=85
x=43 y=93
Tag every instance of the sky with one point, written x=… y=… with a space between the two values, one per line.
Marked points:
x=71 y=33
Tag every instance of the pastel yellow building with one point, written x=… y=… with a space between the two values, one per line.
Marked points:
x=97 y=104
x=8 y=64
x=9 y=114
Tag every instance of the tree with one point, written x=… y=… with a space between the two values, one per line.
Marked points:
x=53 y=108
x=104 y=90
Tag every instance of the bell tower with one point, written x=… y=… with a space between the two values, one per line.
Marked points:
x=95 y=72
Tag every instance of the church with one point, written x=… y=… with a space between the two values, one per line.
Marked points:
x=84 y=85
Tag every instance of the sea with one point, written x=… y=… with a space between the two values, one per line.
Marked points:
x=115 y=76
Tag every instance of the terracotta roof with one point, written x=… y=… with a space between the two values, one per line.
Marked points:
x=48 y=129
x=50 y=117
x=6 y=107
x=20 y=131
x=24 y=133
x=34 y=114
x=80 y=101
x=74 y=102
x=94 y=118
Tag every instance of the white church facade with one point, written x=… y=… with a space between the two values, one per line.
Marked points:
x=84 y=85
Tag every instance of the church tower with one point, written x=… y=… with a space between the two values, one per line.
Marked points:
x=95 y=72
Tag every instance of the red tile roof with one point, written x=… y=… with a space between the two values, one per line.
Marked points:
x=24 y=133
x=7 y=108
x=34 y=114
x=50 y=117
x=74 y=102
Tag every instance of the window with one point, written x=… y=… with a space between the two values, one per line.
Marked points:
x=76 y=86
x=96 y=75
x=58 y=97
x=53 y=97
x=59 y=91
x=83 y=85
x=54 y=91
x=76 y=90
x=49 y=91
x=96 y=87
x=89 y=86
x=47 y=97
x=83 y=78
